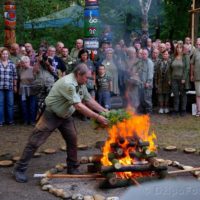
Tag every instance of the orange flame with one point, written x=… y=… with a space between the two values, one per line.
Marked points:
x=135 y=127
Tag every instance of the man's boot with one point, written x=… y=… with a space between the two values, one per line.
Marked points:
x=20 y=176
x=22 y=165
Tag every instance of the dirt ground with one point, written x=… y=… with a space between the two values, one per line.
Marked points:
x=180 y=131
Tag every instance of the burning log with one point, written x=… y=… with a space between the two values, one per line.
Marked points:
x=121 y=140
x=116 y=164
x=131 y=144
x=114 y=145
x=112 y=180
x=91 y=159
x=119 y=152
x=143 y=143
x=132 y=168
x=141 y=155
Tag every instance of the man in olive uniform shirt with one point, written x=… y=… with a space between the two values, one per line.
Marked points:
x=195 y=74
x=146 y=73
x=68 y=60
x=65 y=97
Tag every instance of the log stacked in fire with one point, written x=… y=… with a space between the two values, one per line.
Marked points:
x=130 y=158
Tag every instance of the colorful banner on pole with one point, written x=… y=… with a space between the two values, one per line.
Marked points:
x=91 y=24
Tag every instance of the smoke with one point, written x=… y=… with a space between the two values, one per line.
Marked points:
x=125 y=17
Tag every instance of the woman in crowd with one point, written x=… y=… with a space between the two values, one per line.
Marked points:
x=84 y=58
x=178 y=74
x=162 y=83
x=111 y=68
x=8 y=85
x=26 y=91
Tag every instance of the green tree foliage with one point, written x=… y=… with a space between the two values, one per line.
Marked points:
x=168 y=19
x=28 y=10
x=176 y=19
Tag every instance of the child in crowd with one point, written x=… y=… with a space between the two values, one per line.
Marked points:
x=162 y=83
x=104 y=84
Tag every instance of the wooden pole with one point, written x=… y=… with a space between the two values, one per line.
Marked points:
x=193 y=16
x=10 y=22
x=85 y=176
x=185 y=170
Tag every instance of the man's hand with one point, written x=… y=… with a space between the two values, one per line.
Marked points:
x=102 y=120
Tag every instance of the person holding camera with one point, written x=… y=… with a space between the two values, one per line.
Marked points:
x=53 y=63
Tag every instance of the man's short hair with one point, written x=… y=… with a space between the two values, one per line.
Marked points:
x=80 y=69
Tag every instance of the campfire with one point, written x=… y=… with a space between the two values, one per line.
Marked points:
x=130 y=153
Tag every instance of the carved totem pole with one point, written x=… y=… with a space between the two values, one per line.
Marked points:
x=91 y=26
x=10 y=22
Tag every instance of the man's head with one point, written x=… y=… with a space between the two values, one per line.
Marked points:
x=165 y=55
x=101 y=70
x=51 y=51
x=162 y=47
x=105 y=45
x=145 y=54
x=187 y=40
x=137 y=46
x=65 y=52
x=198 y=44
x=14 y=50
x=79 y=43
x=29 y=47
x=81 y=73
x=22 y=50
x=155 y=53
x=59 y=47
x=149 y=42
x=168 y=46
x=131 y=52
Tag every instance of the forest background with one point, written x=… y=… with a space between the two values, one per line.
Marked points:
x=168 y=19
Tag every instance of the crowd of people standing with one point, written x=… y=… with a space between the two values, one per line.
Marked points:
x=144 y=76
